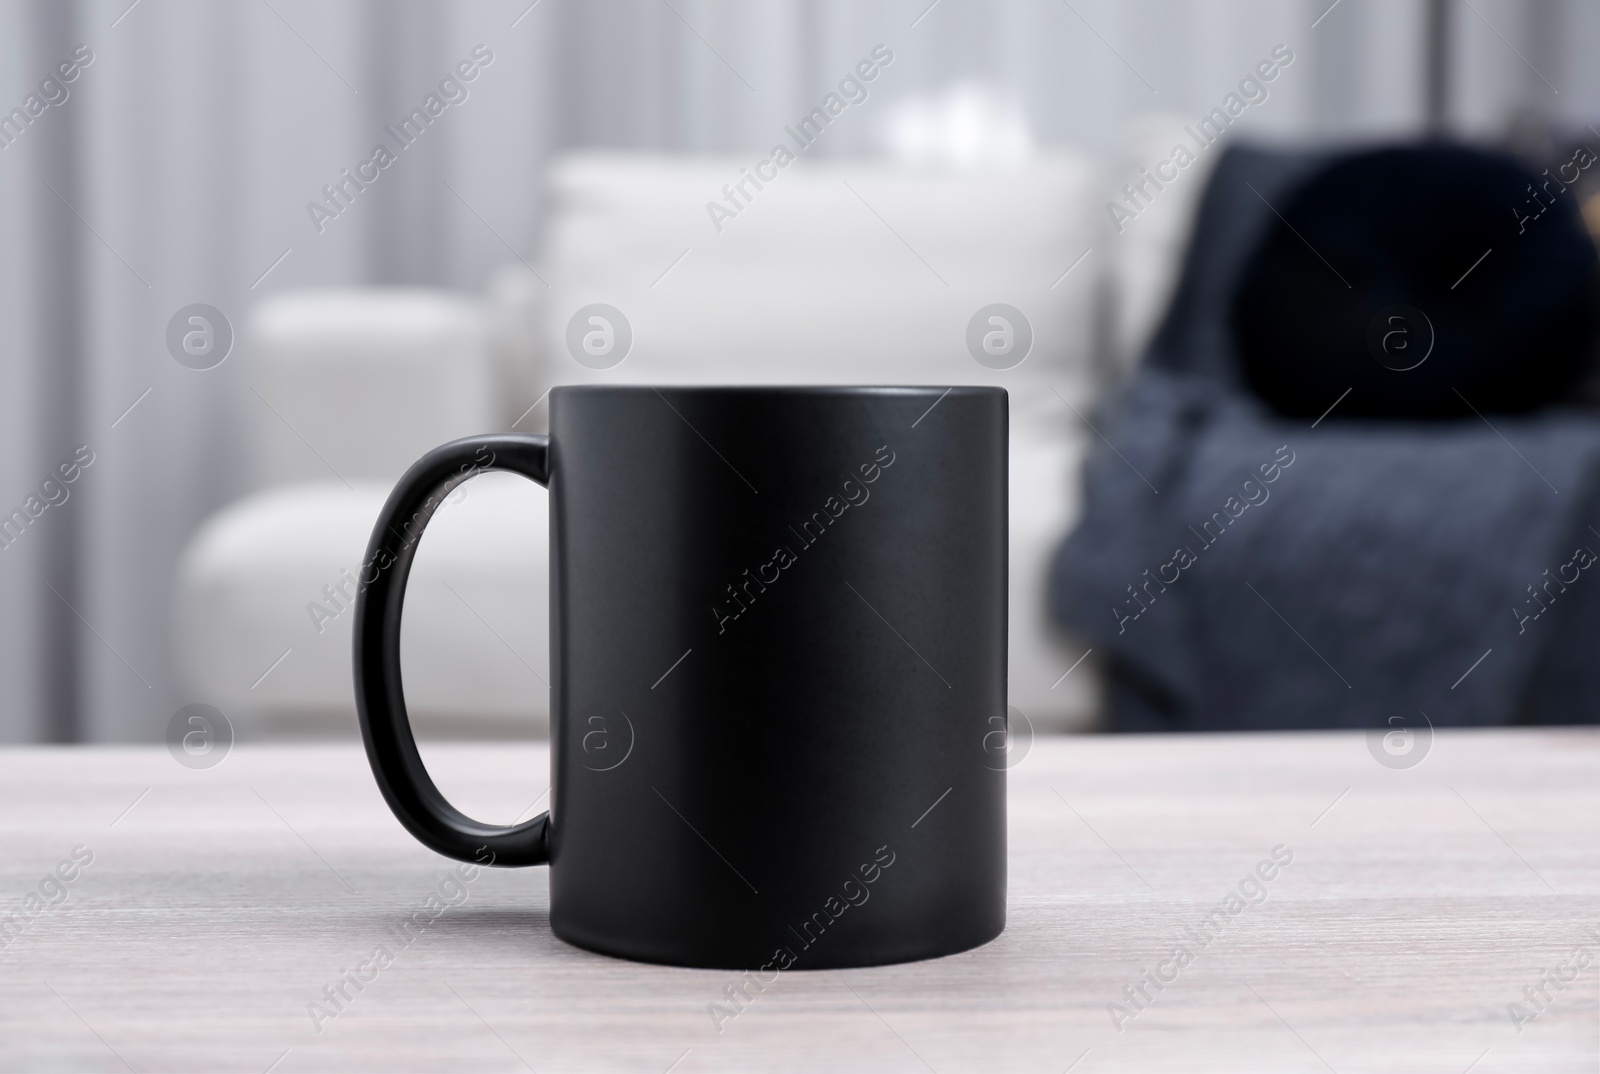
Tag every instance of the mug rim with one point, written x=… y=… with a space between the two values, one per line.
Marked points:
x=788 y=389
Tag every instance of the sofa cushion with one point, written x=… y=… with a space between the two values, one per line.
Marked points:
x=1428 y=281
x=272 y=575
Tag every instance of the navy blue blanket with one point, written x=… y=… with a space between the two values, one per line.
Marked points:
x=1244 y=571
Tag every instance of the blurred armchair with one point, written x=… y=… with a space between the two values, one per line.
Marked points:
x=353 y=386
x=837 y=273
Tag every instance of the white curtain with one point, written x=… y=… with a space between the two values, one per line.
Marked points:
x=176 y=166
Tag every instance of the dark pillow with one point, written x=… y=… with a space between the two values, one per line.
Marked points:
x=1438 y=255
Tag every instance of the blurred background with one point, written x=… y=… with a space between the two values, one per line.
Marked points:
x=234 y=321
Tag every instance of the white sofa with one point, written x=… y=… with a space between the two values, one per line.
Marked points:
x=348 y=388
x=835 y=273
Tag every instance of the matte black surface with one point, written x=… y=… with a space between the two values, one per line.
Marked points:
x=778 y=622
x=380 y=701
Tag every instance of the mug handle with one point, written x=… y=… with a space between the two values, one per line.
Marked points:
x=380 y=700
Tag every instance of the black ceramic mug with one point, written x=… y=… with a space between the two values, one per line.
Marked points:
x=778 y=634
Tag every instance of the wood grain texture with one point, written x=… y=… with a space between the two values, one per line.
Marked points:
x=1415 y=910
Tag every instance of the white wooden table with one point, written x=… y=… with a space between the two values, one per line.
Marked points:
x=1419 y=904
